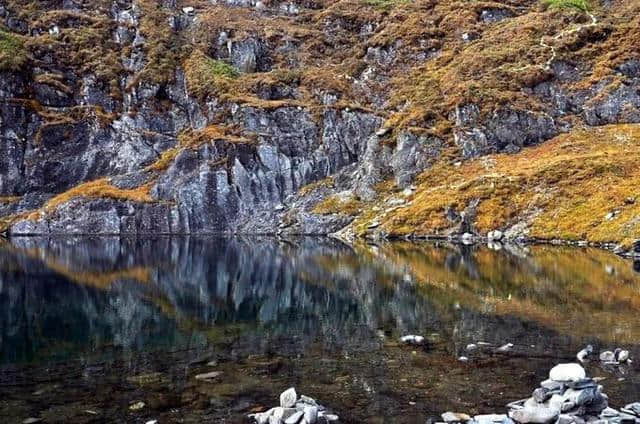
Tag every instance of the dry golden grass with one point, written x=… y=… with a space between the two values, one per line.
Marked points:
x=101 y=188
x=565 y=187
x=336 y=204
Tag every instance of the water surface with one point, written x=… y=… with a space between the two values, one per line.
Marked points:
x=89 y=326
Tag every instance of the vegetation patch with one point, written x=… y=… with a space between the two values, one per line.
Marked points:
x=384 y=4
x=578 y=186
x=569 y=4
x=207 y=76
x=102 y=188
x=338 y=204
x=13 y=55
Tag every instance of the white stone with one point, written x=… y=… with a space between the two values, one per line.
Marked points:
x=454 y=417
x=412 y=339
x=607 y=356
x=567 y=372
x=294 y=418
x=330 y=417
x=188 y=10
x=311 y=414
x=491 y=418
x=623 y=356
x=209 y=375
x=288 y=398
x=505 y=348
x=495 y=235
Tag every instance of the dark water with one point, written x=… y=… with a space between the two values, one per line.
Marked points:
x=89 y=326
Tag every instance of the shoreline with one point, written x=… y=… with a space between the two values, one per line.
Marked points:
x=466 y=239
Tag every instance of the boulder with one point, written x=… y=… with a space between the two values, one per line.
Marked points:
x=567 y=372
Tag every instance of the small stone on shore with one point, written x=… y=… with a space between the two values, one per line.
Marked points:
x=209 y=375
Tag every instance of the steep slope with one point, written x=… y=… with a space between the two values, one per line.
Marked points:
x=149 y=116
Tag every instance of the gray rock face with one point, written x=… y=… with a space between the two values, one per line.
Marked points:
x=61 y=127
x=218 y=187
x=507 y=130
x=249 y=55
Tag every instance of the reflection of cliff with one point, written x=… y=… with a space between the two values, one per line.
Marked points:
x=69 y=295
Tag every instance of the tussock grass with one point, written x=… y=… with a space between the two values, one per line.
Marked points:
x=569 y=4
x=13 y=55
x=564 y=188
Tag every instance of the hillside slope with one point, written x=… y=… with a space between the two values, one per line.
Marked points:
x=243 y=116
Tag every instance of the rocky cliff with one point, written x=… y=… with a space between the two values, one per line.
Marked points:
x=384 y=116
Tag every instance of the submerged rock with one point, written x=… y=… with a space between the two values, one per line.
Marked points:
x=208 y=376
x=412 y=339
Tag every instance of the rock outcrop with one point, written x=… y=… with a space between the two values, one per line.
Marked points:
x=144 y=116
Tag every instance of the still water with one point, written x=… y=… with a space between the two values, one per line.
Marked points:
x=90 y=326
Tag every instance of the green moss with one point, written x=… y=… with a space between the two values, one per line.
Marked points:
x=206 y=75
x=13 y=55
x=569 y=4
x=384 y=4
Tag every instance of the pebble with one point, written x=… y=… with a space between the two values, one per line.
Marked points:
x=412 y=339
x=607 y=356
x=495 y=235
x=209 y=375
x=623 y=356
x=463 y=359
x=492 y=418
x=454 y=417
x=582 y=355
x=471 y=347
x=505 y=348
x=137 y=406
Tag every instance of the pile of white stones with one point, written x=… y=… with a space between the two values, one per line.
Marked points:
x=294 y=410
x=567 y=397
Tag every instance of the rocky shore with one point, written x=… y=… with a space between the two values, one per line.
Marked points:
x=295 y=410
x=568 y=396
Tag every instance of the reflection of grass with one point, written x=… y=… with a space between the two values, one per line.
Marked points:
x=97 y=279
x=557 y=287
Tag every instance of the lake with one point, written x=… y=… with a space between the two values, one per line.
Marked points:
x=91 y=326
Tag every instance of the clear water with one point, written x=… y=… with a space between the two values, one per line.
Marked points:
x=90 y=326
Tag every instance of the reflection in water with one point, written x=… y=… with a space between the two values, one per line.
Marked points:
x=68 y=298
x=63 y=296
